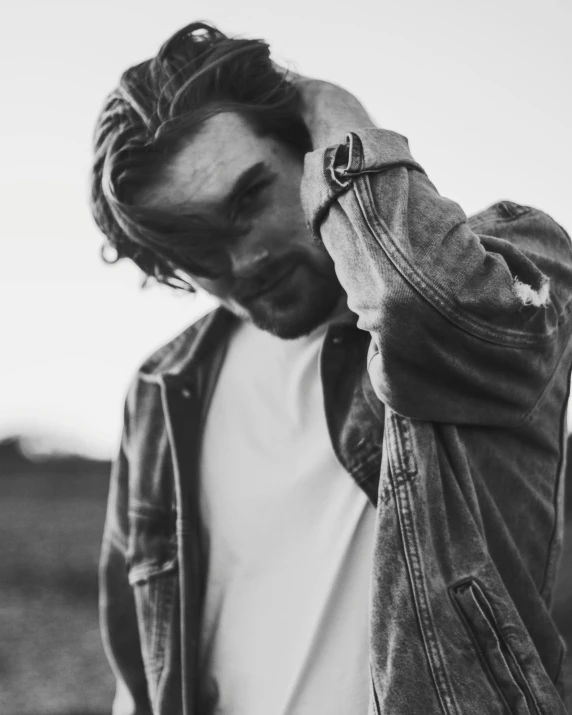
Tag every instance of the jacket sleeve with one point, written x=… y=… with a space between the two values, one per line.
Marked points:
x=465 y=327
x=118 y=616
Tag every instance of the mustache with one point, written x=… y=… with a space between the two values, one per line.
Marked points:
x=247 y=289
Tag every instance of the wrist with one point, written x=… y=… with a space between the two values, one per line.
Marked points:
x=334 y=113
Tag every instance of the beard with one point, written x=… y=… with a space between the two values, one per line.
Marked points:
x=298 y=304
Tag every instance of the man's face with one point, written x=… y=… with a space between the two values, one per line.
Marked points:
x=279 y=278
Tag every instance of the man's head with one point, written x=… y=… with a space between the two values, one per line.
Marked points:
x=198 y=163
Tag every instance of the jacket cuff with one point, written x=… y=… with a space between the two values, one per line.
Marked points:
x=329 y=172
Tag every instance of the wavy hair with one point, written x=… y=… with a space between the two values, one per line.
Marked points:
x=158 y=105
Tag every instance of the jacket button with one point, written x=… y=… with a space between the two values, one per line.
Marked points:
x=187 y=393
x=337 y=340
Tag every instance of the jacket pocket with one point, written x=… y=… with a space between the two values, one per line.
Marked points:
x=152 y=569
x=496 y=654
x=155 y=593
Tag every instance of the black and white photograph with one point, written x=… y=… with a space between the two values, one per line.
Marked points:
x=286 y=319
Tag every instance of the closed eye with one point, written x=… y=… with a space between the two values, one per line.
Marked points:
x=247 y=203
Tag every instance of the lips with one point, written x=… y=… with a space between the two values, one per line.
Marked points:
x=254 y=289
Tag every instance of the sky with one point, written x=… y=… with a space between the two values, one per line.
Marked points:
x=482 y=91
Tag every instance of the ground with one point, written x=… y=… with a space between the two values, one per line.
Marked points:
x=51 y=657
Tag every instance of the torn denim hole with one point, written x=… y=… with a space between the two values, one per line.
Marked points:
x=530 y=296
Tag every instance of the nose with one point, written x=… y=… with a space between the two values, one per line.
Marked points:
x=248 y=259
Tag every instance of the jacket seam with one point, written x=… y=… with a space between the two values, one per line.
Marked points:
x=560 y=668
x=116 y=539
x=169 y=596
x=410 y=540
x=557 y=486
x=546 y=385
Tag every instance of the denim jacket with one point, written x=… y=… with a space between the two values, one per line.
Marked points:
x=445 y=403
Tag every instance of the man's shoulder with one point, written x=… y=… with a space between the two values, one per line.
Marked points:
x=176 y=356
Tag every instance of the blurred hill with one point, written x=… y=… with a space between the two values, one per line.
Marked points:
x=17 y=457
x=52 y=509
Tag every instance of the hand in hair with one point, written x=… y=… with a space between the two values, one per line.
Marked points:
x=328 y=110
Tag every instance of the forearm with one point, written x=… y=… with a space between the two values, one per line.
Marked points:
x=340 y=112
x=453 y=338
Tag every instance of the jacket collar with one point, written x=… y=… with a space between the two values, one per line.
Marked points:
x=177 y=360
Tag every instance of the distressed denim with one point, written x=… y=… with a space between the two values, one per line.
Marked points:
x=445 y=403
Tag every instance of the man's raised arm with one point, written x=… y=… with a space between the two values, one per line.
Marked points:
x=467 y=324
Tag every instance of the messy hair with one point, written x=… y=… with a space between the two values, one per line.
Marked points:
x=158 y=105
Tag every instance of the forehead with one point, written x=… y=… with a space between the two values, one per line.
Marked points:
x=204 y=169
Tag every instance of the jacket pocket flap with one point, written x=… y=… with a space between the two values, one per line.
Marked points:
x=496 y=652
x=146 y=570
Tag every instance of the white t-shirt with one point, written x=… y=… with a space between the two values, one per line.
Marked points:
x=286 y=617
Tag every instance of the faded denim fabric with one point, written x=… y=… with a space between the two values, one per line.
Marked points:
x=446 y=405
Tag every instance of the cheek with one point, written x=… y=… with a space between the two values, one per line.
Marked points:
x=286 y=224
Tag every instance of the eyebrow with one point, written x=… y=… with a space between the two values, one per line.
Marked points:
x=225 y=203
x=247 y=177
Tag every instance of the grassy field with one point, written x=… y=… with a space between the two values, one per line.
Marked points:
x=51 y=658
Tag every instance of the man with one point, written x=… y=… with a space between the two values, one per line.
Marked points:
x=341 y=492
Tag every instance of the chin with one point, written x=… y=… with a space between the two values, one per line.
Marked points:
x=298 y=319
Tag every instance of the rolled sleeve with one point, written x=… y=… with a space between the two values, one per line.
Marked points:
x=328 y=172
